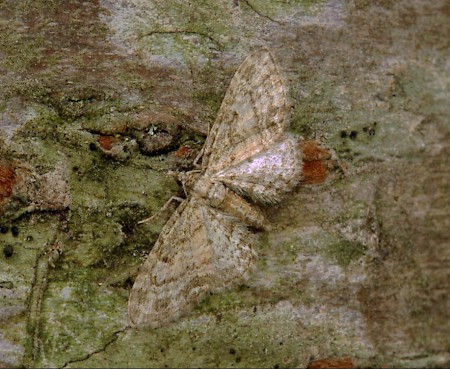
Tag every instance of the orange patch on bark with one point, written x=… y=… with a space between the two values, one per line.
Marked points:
x=183 y=152
x=107 y=142
x=7 y=180
x=345 y=362
x=315 y=169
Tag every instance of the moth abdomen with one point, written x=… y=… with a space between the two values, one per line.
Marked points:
x=239 y=208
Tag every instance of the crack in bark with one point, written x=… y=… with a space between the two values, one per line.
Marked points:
x=114 y=338
x=252 y=7
x=219 y=46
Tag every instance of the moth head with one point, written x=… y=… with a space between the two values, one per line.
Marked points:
x=187 y=179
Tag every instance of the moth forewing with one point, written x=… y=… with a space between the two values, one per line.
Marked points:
x=187 y=261
x=254 y=113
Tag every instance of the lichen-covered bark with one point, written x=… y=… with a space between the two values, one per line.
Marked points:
x=100 y=99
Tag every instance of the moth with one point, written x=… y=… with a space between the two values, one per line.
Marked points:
x=247 y=159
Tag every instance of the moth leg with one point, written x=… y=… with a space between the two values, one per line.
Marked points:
x=164 y=208
x=183 y=182
x=198 y=157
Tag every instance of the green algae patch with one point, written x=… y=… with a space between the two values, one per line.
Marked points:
x=276 y=10
x=84 y=303
x=18 y=52
x=208 y=93
x=18 y=276
x=198 y=33
x=99 y=244
x=78 y=316
x=345 y=252
x=266 y=337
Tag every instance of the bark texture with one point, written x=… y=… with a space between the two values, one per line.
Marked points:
x=100 y=99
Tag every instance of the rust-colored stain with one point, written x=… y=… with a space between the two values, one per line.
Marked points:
x=7 y=180
x=183 y=152
x=344 y=362
x=107 y=142
x=315 y=169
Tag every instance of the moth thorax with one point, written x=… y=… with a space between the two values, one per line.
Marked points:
x=188 y=179
x=214 y=192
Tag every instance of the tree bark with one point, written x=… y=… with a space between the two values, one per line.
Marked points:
x=99 y=100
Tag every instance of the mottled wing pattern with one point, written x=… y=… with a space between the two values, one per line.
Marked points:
x=201 y=249
x=232 y=246
x=267 y=176
x=254 y=114
x=198 y=250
